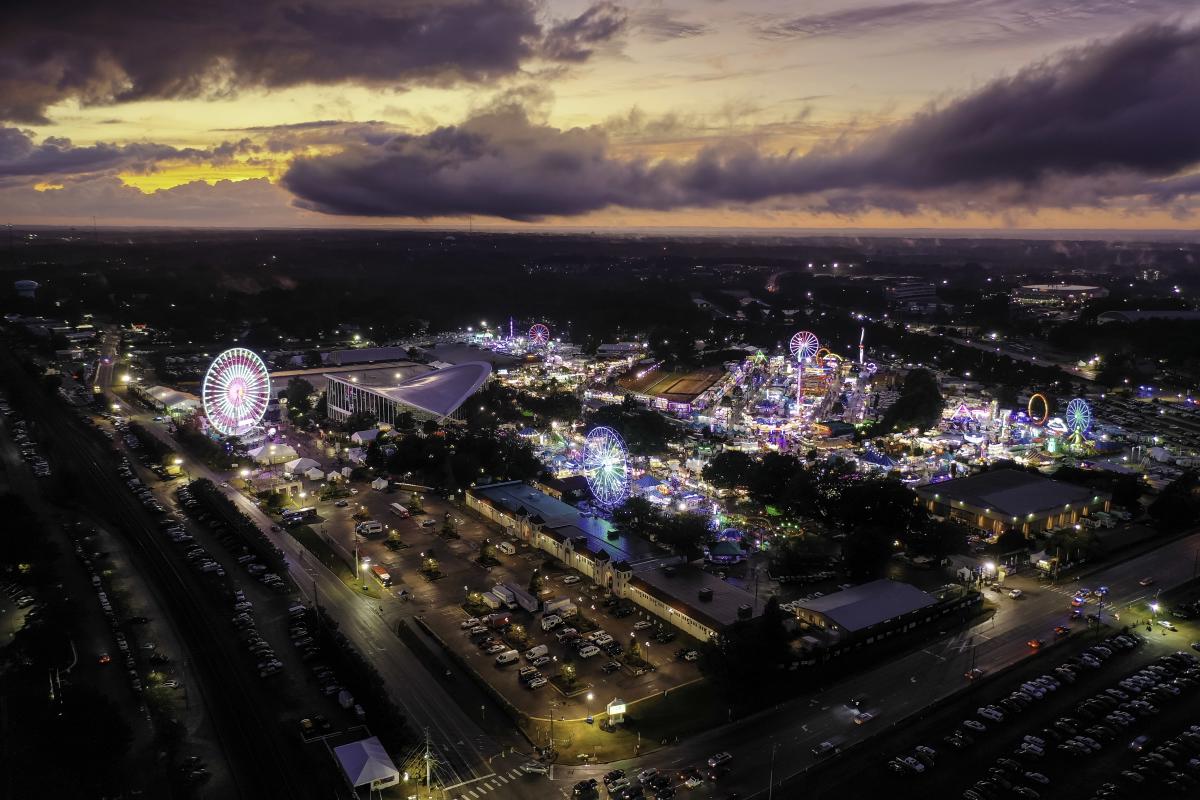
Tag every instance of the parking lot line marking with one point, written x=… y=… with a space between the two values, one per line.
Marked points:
x=515 y=773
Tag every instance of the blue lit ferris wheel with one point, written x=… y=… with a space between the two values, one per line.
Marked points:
x=606 y=466
x=1079 y=417
x=1079 y=422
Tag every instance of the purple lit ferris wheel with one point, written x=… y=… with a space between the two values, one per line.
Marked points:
x=804 y=345
x=539 y=335
x=236 y=391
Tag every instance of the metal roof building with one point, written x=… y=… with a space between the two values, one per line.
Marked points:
x=428 y=395
x=1009 y=499
x=863 y=607
x=366 y=762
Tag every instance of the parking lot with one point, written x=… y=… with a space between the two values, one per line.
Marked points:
x=1058 y=726
x=405 y=547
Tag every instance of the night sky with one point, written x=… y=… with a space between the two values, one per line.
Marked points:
x=522 y=114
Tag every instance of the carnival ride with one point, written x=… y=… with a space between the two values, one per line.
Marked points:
x=236 y=390
x=1039 y=417
x=803 y=346
x=1079 y=422
x=539 y=335
x=606 y=466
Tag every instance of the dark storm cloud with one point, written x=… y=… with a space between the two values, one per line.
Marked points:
x=22 y=158
x=124 y=50
x=575 y=39
x=1100 y=122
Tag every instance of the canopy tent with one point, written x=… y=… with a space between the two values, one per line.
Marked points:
x=300 y=465
x=365 y=437
x=379 y=484
x=273 y=454
x=367 y=762
x=314 y=474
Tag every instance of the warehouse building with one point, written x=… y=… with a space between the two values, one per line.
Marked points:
x=1009 y=499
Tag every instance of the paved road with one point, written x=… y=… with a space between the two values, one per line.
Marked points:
x=783 y=735
x=468 y=753
x=788 y=731
x=264 y=764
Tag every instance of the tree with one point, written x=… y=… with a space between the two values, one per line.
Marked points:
x=919 y=405
x=1177 y=505
x=1011 y=541
x=637 y=514
x=866 y=552
x=359 y=421
x=729 y=470
x=685 y=532
x=535 y=581
x=299 y=397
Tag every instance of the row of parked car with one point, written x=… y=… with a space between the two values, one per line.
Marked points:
x=1091 y=724
x=225 y=536
x=29 y=449
x=1016 y=774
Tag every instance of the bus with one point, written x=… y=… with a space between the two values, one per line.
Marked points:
x=381 y=575
x=299 y=515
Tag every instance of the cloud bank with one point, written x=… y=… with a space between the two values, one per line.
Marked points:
x=99 y=53
x=1117 y=120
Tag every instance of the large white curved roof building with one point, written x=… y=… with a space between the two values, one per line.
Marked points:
x=431 y=395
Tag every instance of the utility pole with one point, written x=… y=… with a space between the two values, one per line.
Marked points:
x=428 y=764
x=771 y=785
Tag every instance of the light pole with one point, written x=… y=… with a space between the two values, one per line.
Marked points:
x=589 y=707
x=366 y=563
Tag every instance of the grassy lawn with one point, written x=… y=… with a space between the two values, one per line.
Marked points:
x=686 y=710
x=321 y=550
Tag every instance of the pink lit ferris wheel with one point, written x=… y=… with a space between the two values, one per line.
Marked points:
x=236 y=391
x=539 y=335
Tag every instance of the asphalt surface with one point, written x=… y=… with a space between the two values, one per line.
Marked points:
x=264 y=766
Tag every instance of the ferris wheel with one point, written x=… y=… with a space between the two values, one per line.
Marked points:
x=1079 y=417
x=804 y=345
x=539 y=335
x=606 y=466
x=236 y=391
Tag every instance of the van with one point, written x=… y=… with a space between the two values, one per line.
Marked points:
x=507 y=657
x=370 y=528
x=588 y=651
x=536 y=652
x=506 y=548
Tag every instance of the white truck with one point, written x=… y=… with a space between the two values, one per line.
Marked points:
x=536 y=652
x=560 y=607
x=505 y=594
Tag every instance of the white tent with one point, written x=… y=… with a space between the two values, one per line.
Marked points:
x=367 y=762
x=363 y=437
x=380 y=484
x=273 y=454
x=301 y=465
x=333 y=477
x=314 y=474
x=357 y=455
